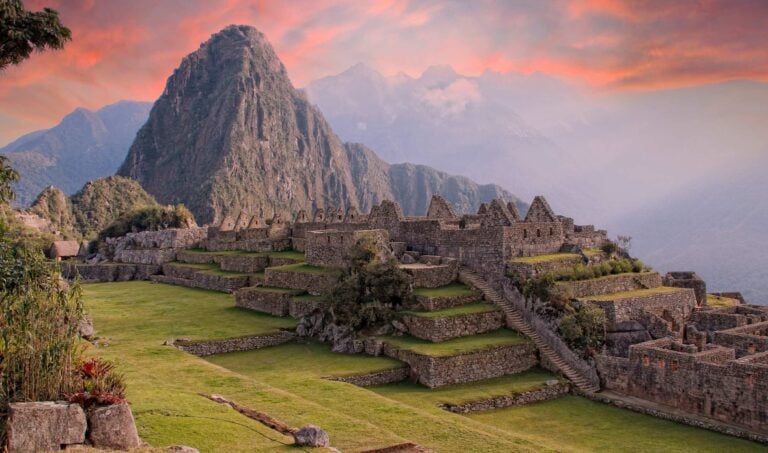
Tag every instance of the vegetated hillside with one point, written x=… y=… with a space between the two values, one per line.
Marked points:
x=230 y=133
x=92 y=208
x=717 y=229
x=86 y=145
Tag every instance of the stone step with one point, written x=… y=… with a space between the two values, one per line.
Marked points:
x=518 y=322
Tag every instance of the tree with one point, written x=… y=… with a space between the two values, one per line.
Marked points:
x=22 y=32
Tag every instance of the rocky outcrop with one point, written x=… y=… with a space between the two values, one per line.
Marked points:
x=311 y=436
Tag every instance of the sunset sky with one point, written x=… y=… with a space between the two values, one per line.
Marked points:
x=127 y=49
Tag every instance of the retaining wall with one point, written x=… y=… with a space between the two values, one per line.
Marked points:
x=538 y=395
x=376 y=378
x=441 y=329
x=313 y=283
x=209 y=347
x=611 y=284
x=472 y=366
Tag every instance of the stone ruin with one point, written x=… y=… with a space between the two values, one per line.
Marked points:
x=666 y=347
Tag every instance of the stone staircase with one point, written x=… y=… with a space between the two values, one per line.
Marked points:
x=516 y=321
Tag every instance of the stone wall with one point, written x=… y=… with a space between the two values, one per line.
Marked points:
x=243 y=263
x=432 y=276
x=711 y=320
x=745 y=340
x=174 y=238
x=688 y=280
x=108 y=272
x=441 y=329
x=333 y=248
x=145 y=256
x=442 y=302
x=671 y=309
x=611 y=284
x=273 y=302
x=711 y=383
x=313 y=283
x=473 y=366
x=375 y=378
x=246 y=343
x=527 y=269
x=546 y=393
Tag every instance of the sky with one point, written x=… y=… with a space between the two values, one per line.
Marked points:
x=127 y=49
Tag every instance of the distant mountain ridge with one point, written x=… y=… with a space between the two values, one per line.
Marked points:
x=230 y=133
x=85 y=145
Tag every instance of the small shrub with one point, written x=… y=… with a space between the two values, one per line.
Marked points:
x=609 y=248
x=100 y=384
x=638 y=266
x=584 y=329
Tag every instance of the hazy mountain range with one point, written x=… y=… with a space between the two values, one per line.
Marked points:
x=85 y=145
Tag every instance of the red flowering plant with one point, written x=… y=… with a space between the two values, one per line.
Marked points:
x=102 y=385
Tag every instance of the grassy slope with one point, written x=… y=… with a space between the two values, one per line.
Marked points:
x=306 y=268
x=283 y=381
x=454 y=289
x=634 y=293
x=456 y=346
x=469 y=309
x=545 y=258
x=292 y=254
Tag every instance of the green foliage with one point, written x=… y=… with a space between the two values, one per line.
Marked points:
x=150 y=218
x=611 y=267
x=609 y=248
x=370 y=291
x=39 y=328
x=99 y=203
x=22 y=32
x=584 y=328
x=8 y=176
x=539 y=288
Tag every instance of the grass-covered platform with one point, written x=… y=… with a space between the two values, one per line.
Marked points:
x=456 y=346
x=537 y=259
x=287 y=382
x=287 y=254
x=469 y=309
x=305 y=268
x=635 y=293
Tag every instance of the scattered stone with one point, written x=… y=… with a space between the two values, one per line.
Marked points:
x=311 y=436
x=182 y=449
x=86 y=328
x=113 y=427
x=551 y=382
x=44 y=426
x=399 y=326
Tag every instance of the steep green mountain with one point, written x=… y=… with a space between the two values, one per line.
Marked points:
x=86 y=145
x=92 y=208
x=231 y=133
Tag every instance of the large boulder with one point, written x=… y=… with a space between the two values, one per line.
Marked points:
x=44 y=426
x=113 y=427
x=311 y=436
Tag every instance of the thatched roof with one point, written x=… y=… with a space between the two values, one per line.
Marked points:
x=64 y=249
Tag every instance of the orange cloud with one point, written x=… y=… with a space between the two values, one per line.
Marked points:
x=127 y=49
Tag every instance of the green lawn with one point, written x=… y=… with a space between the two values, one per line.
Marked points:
x=463 y=393
x=721 y=302
x=480 y=307
x=634 y=293
x=286 y=382
x=579 y=425
x=452 y=290
x=456 y=346
x=592 y=252
x=545 y=258
x=307 y=268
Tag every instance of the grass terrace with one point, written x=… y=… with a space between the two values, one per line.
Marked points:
x=465 y=393
x=592 y=252
x=721 y=302
x=545 y=258
x=286 y=382
x=289 y=254
x=480 y=307
x=214 y=269
x=272 y=289
x=456 y=346
x=305 y=268
x=634 y=293
x=452 y=290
